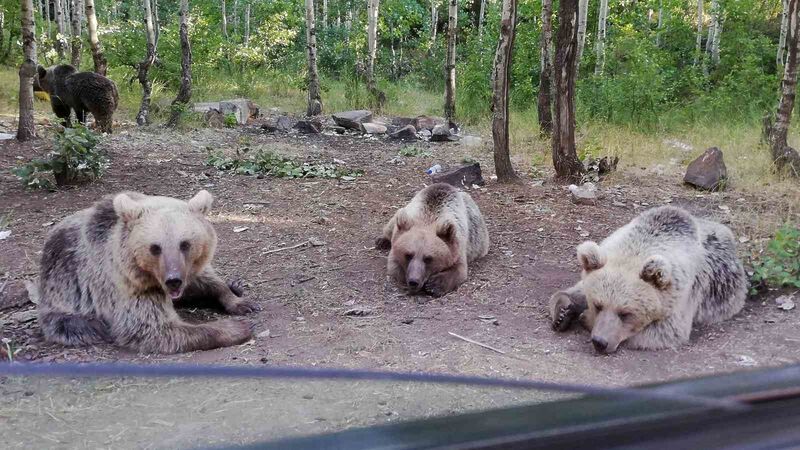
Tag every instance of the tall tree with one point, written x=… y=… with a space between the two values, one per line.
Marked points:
x=699 y=36
x=26 y=129
x=314 y=94
x=782 y=38
x=501 y=78
x=324 y=13
x=100 y=62
x=602 y=19
x=224 y=20
x=660 y=22
x=185 y=91
x=714 y=32
x=372 y=41
x=450 y=64
x=481 y=17
x=565 y=157
x=76 y=43
x=783 y=155
x=583 y=15
x=434 y=19
x=247 y=23
x=60 y=28
x=545 y=108
x=143 y=117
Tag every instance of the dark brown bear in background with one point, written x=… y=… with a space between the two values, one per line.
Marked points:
x=80 y=91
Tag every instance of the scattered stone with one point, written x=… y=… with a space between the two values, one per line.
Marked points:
x=441 y=133
x=403 y=121
x=708 y=171
x=24 y=316
x=6 y=136
x=284 y=123
x=4 y=234
x=338 y=130
x=427 y=122
x=407 y=133
x=263 y=334
x=461 y=177
x=238 y=107
x=358 y=312
x=407 y=321
x=240 y=229
x=785 y=302
x=309 y=126
x=316 y=242
x=586 y=194
x=426 y=134
x=744 y=360
x=352 y=119
x=373 y=128
x=618 y=204
x=214 y=119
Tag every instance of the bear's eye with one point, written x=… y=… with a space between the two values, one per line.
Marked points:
x=427 y=259
x=625 y=316
x=598 y=307
x=155 y=249
x=185 y=246
x=409 y=256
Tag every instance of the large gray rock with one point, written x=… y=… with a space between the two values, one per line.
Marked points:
x=708 y=171
x=428 y=122
x=441 y=133
x=585 y=194
x=242 y=108
x=373 y=128
x=407 y=133
x=309 y=126
x=352 y=119
x=281 y=123
x=464 y=176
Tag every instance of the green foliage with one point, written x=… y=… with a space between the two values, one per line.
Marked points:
x=411 y=151
x=265 y=162
x=779 y=266
x=74 y=159
x=230 y=120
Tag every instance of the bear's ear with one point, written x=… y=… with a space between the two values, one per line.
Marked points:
x=591 y=256
x=41 y=71
x=201 y=202
x=657 y=271
x=127 y=208
x=447 y=233
x=402 y=222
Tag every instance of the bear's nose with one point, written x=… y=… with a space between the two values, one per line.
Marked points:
x=600 y=344
x=174 y=283
x=413 y=284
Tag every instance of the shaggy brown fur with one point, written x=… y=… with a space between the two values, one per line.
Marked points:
x=110 y=273
x=83 y=92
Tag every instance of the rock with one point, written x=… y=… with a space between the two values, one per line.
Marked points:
x=337 y=129
x=6 y=136
x=441 y=133
x=464 y=176
x=585 y=194
x=427 y=122
x=788 y=160
x=373 y=128
x=424 y=133
x=205 y=106
x=708 y=171
x=269 y=126
x=284 y=123
x=242 y=108
x=403 y=121
x=352 y=119
x=309 y=126
x=407 y=133
x=214 y=119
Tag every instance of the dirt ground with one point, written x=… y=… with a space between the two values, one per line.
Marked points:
x=304 y=293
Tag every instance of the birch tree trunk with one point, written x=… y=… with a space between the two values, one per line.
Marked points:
x=372 y=41
x=100 y=62
x=482 y=17
x=501 y=78
x=247 y=23
x=181 y=101
x=660 y=22
x=434 y=19
x=544 y=104
x=782 y=154
x=717 y=36
x=224 y=20
x=583 y=12
x=450 y=64
x=324 y=13
x=699 y=38
x=26 y=129
x=314 y=94
x=143 y=117
x=565 y=157
x=47 y=11
x=76 y=44
x=712 y=29
x=60 y=29
x=235 y=16
x=782 y=39
x=601 y=37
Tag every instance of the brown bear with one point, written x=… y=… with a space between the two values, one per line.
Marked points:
x=80 y=91
x=111 y=272
x=433 y=239
x=651 y=280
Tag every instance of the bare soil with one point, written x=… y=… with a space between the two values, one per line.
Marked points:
x=304 y=293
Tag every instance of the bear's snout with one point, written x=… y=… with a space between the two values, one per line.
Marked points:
x=599 y=344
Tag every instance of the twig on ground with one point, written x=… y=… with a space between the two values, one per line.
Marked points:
x=286 y=248
x=481 y=344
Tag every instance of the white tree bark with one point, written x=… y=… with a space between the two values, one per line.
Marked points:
x=26 y=128
x=482 y=17
x=583 y=12
x=60 y=42
x=76 y=44
x=247 y=23
x=699 y=39
x=100 y=63
x=314 y=93
x=434 y=19
x=372 y=42
x=660 y=22
x=715 y=45
x=601 y=37
x=324 y=13
x=779 y=59
x=224 y=20
x=450 y=64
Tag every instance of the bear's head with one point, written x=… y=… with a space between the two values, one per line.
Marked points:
x=419 y=251
x=46 y=79
x=164 y=241
x=624 y=297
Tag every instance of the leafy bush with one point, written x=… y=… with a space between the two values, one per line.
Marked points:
x=230 y=120
x=264 y=162
x=74 y=159
x=780 y=265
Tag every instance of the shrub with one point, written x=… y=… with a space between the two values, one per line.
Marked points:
x=780 y=264
x=265 y=162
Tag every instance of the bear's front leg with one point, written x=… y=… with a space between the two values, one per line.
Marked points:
x=565 y=307
x=207 y=284
x=446 y=281
x=178 y=336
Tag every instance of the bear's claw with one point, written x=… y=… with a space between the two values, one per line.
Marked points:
x=242 y=307
x=237 y=287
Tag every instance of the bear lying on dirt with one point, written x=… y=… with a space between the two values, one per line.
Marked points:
x=649 y=281
x=433 y=239
x=110 y=273
x=80 y=91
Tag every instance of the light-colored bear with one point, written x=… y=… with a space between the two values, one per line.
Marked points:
x=649 y=281
x=110 y=273
x=433 y=239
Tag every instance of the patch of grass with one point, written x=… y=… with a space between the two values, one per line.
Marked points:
x=779 y=265
x=411 y=151
x=264 y=162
